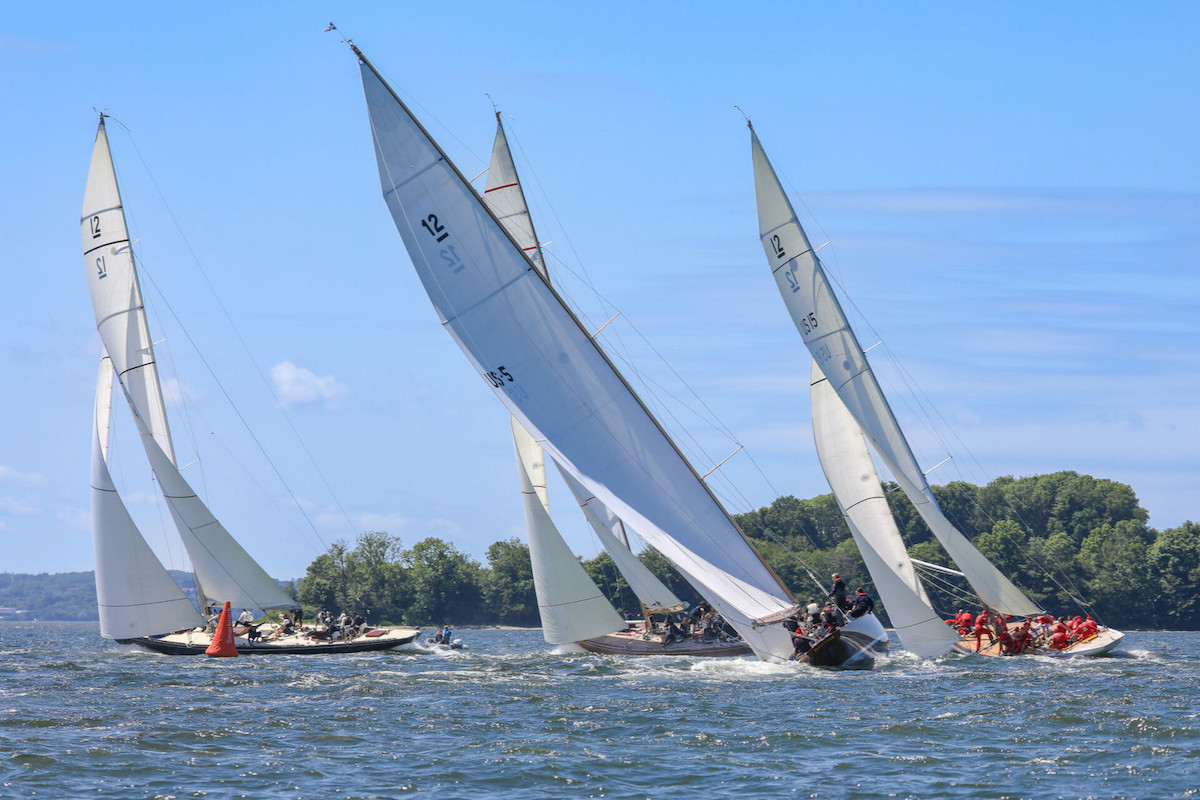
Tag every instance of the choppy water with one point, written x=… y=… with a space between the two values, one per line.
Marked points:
x=81 y=717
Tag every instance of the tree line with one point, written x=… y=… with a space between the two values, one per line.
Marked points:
x=1066 y=539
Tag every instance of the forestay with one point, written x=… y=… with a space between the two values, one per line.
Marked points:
x=538 y=360
x=844 y=457
x=819 y=318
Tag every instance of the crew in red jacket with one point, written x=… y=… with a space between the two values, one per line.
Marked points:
x=982 y=627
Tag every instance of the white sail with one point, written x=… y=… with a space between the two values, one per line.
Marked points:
x=503 y=194
x=135 y=593
x=819 y=318
x=571 y=606
x=846 y=461
x=547 y=371
x=116 y=293
x=224 y=570
x=645 y=584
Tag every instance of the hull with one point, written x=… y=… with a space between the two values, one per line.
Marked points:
x=853 y=646
x=1104 y=641
x=194 y=643
x=633 y=643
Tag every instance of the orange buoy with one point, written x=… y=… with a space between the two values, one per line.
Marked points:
x=222 y=642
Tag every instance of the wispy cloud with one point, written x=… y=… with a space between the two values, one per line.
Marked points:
x=16 y=477
x=297 y=386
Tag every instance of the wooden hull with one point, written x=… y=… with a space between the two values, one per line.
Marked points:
x=853 y=646
x=1103 y=642
x=194 y=643
x=632 y=643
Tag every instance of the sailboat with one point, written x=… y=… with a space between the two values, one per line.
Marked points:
x=139 y=602
x=552 y=376
x=572 y=608
x=849 y=410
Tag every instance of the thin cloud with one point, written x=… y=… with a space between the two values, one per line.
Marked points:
x=297 y=386
x=13 y=476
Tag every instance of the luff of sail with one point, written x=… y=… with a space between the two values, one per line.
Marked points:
x=222 y=566
x=524 y=341
x=135 y=594
x=826 y=332
x=842 y=451
x=116 y=293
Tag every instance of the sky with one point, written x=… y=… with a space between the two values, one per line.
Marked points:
x=1011 y=197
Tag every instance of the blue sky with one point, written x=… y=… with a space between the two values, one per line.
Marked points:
x=1011 y=193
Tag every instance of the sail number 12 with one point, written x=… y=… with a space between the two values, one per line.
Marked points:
x=439 y=233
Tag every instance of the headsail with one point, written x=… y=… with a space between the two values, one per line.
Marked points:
x=223 y=568
x=843 y=453
x=135 y=593
x=653 y=594
x=524 y=341
x=570 y=604
x=822 y=324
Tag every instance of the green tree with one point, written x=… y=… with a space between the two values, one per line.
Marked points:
x=445 y=585
x=1175 y=556
x=508 y=590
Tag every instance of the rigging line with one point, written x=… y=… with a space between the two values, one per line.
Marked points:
x=236 y=410
x=245 y=347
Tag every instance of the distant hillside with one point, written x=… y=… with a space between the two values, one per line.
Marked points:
x=62 y=595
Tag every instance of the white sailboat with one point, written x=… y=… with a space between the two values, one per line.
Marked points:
x=137 y=602
x=556 y=381
x=571 y=606
x=849 y=404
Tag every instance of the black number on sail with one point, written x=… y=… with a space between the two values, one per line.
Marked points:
x=95 y=222
x=101 y=270
x=499 y=376
x=808 y=323
x=436 y=230
x=777 y=245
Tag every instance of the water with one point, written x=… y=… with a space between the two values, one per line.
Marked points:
x=80 y=716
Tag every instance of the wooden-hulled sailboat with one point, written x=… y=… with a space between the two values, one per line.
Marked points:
x=561 y=387
x=139 y=602
x=571 y=606
x=849 y=406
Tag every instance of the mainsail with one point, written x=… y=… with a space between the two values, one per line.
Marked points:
x=224 y=570
x=551 y=375
x=822 y=324
x=135 y=593
x=844 y=457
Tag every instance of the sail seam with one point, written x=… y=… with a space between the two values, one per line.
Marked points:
x=106 y=244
